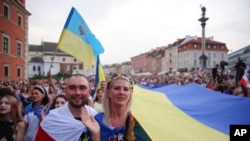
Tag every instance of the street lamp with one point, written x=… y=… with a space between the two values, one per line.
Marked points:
x=203 y=19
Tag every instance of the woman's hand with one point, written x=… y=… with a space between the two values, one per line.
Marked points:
x=43 y=111
x=91 y=124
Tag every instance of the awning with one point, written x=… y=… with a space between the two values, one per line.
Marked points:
x=162 y=72
x=144 y=73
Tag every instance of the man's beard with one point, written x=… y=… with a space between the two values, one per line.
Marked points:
x=84 y=102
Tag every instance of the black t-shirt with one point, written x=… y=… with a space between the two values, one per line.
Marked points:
x=6 y=130
x=85 y=135
x=214 y=72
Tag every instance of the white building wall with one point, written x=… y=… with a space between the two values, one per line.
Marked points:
x=32 y=72
x=54 y=69
x=175 y=58
x=171 y=54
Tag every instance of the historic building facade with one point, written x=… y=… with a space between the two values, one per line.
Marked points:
x=243 y=53
x=45 y=56
x=182 y=55
x=150 y=62
x=13 y=40
x=190 y=50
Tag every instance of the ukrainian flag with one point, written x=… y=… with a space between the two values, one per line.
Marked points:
x=77 y=40
x=188 y=113
x=100 y=76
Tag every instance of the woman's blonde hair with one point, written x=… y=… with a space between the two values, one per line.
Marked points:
x=106 y=100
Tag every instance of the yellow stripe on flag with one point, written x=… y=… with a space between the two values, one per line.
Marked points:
x=75 y=46
x=164 y=121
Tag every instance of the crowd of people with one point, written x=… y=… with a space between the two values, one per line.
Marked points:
x=72 y=109
x=224 y=82
x=66 y=110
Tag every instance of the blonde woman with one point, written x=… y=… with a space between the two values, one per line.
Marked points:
x=116 y=121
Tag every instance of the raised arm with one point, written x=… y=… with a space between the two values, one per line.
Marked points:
x=51 y=82
x=91 y=124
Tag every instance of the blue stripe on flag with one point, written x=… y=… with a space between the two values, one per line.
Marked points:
x=76 y=24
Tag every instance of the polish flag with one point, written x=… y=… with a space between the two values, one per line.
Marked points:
x=245 y=81
x=201 y=71
x=60 y=125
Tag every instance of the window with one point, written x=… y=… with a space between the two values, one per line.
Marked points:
x=208 y=46
x=19 y=20
x=18 y=72
x=19 y=49
x=208 y=55
x=63 y=59
x=222 y=56
x=195 y=45
x=34 y=68
x=214 y=55
x=68 y=68
x=39 y=70
x=222 y=46
x=74 y=60
x=6 y=70
x=6 y=11
x=214 y=46
x=5 y=44
x=159 y=56
x=194 y=62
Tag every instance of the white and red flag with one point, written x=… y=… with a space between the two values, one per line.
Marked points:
x=245 y=81
x=60 y=125
x=201 y=71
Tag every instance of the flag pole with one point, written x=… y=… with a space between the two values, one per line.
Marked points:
x=52 y=59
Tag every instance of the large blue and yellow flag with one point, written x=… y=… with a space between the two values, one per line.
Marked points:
x=99 y=75
x=77 y=40
x=188 y=113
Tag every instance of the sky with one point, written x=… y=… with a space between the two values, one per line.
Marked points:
x=127 y=28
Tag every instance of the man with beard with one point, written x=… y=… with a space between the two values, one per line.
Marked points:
x=66 y=123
